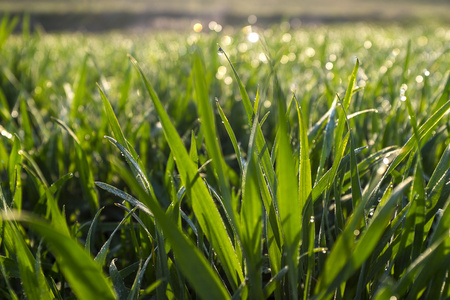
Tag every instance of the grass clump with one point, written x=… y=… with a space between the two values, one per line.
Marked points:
x=144 y=186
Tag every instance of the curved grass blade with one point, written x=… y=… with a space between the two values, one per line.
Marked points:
x=91 y=231
x=117 y=280
x=289 y=206
x=210 y=133
x=101 y=255
x=251 y=219
x=85 y=277
x=260 y=141
x=134 y=293
x=346 y=257
x=86 y=176
x=121 y=194
x=189 y=259
x=14 y=170
x=31 y=275
x=232 y=136
x=203 y=205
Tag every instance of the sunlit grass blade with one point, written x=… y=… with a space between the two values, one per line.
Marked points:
x=260 y=141
x=57 y=218
x=329 y=177
x=269 y=288
x=191 y=262
x=289 y=206
x=210 y=133
x=14 y=171
x=232 y=136
x=345 y=105
x=85 y=277
x=346 y=257
x=424 y=132
x=203 y=205
x=7 y=27
x=140 y=175
x=327 y=140
x=84 y=169
x=251 y=219
x=31 y=275
x=80 y=89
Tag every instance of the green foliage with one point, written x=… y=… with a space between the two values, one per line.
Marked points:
x=219 y=183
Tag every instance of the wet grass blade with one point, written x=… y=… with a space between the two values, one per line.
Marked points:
x=86 y=175
x=206 y=114
x=203 y=205
x=117 y=280
x=85 y=277
x=92 y=230
x=260 y=141
x=251 y=219
x=346 y=257
x=289 y=206
x=190 y=260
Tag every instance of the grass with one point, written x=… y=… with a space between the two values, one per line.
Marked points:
x=313 y=174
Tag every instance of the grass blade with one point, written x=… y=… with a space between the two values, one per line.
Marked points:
x=83 y=274
x=203 y=205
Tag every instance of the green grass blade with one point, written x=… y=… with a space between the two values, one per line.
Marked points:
x=57 y=218
x=289 y=206
x=346 y=257
x=117 y=280
x=85 y=277
x=32 y=278
x=210 y=133
x=251 y=219
x=424 y=131
x=14 y=170
x=191 y=262
x=231 y=135
x=305 y=181
x=80 y=89
x=101 y=255
x=92 y=230
x=85 y=171
x=260 y=141
x=121 y=194
x=203 y=205
x=134 y=293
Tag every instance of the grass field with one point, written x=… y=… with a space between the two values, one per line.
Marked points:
x=285 y=164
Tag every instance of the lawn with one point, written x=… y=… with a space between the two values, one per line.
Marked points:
x=236 y=162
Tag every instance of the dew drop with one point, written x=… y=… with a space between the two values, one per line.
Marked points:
x=356 y=232
x=220 y=51
x=311 y=220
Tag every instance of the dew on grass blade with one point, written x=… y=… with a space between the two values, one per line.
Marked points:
x=220 y=51
x=312 y=219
